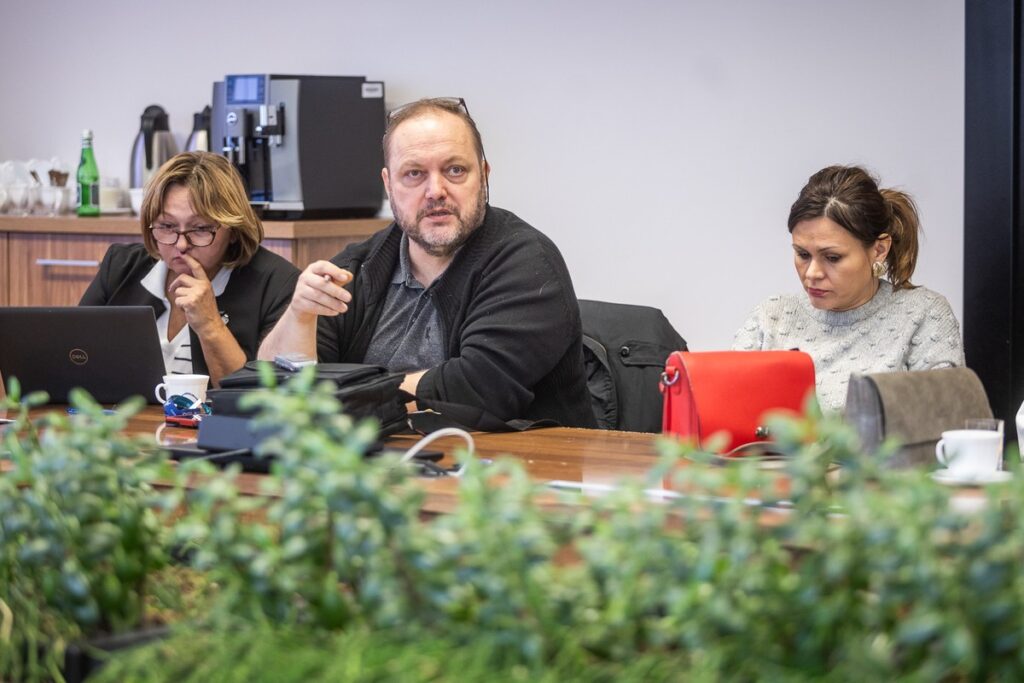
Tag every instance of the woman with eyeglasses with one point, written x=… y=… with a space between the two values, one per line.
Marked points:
x=215 y=291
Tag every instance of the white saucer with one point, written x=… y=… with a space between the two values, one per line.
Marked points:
x=946 y=477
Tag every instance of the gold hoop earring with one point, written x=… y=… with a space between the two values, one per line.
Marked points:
x=878 y=269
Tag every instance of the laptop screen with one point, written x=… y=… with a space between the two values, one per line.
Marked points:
x=112 y=352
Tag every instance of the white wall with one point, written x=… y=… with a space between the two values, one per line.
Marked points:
x=659 y=143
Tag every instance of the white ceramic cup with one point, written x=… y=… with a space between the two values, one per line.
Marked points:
x=179 y=385
x=990 y=424
x=136 y=194
x=970 y=452
x=111 y=197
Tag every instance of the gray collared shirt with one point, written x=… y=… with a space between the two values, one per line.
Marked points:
x=408 y=335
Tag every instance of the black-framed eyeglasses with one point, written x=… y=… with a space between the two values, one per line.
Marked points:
x=197 y=237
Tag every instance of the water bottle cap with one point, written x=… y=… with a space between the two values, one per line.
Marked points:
x=87 y=133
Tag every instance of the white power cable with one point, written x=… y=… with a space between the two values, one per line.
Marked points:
x=433 y=436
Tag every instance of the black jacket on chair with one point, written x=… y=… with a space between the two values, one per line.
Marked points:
x=624 y=349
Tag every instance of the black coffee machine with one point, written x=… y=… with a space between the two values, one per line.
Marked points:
x=306 y=146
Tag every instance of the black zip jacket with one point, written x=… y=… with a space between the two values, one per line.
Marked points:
x=508 y=312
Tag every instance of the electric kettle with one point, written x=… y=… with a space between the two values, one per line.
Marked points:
x=153 y=146
x=199 y=138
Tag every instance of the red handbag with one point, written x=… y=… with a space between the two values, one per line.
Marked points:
x=714 y=391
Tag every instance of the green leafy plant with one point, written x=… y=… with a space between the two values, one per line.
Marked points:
x=81 y=531
x=859 y=573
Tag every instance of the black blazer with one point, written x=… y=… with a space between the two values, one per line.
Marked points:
x=255 y=297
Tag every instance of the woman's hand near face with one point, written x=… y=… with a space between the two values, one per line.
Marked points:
x=193 y=294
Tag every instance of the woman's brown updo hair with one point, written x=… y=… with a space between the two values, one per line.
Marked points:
x=850 y=197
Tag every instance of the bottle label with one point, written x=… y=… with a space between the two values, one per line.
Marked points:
x=88 y=195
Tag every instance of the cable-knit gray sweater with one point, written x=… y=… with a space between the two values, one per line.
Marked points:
x=909 y=329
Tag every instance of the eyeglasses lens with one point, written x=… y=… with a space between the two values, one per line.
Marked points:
x=197 y=238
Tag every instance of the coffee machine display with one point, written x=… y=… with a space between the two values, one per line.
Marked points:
x=306 y=146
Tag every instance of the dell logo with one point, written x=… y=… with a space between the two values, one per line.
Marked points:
x=78 y=356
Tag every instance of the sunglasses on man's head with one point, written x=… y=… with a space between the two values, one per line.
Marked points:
x=453 y=102
x=438 y=101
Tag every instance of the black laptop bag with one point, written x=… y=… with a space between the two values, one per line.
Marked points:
x=363 y=390
x=370 y=391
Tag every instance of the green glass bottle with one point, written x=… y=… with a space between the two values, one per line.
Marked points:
x=88 y=179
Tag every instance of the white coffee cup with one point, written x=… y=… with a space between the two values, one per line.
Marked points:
x=970 y=452
x=111 y=197
x=136 y=194
x=180 y=385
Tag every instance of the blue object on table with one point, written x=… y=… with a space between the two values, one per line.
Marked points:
x=185 y=405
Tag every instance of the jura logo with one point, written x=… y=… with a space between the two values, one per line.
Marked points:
x=78 y=356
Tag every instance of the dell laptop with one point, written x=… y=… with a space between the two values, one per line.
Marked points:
x=112 y=352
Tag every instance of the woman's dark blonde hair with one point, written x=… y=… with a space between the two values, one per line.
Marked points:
x=850 y=196
x=216 y=192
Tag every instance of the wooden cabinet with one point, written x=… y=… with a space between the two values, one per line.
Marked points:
x=5 y=271
x=54 y=269
x=47 y=261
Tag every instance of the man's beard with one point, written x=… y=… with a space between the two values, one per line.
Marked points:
x=442 y=244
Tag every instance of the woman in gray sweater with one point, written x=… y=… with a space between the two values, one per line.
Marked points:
x=855 y=249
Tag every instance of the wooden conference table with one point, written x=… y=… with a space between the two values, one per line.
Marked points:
x=588 y=456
